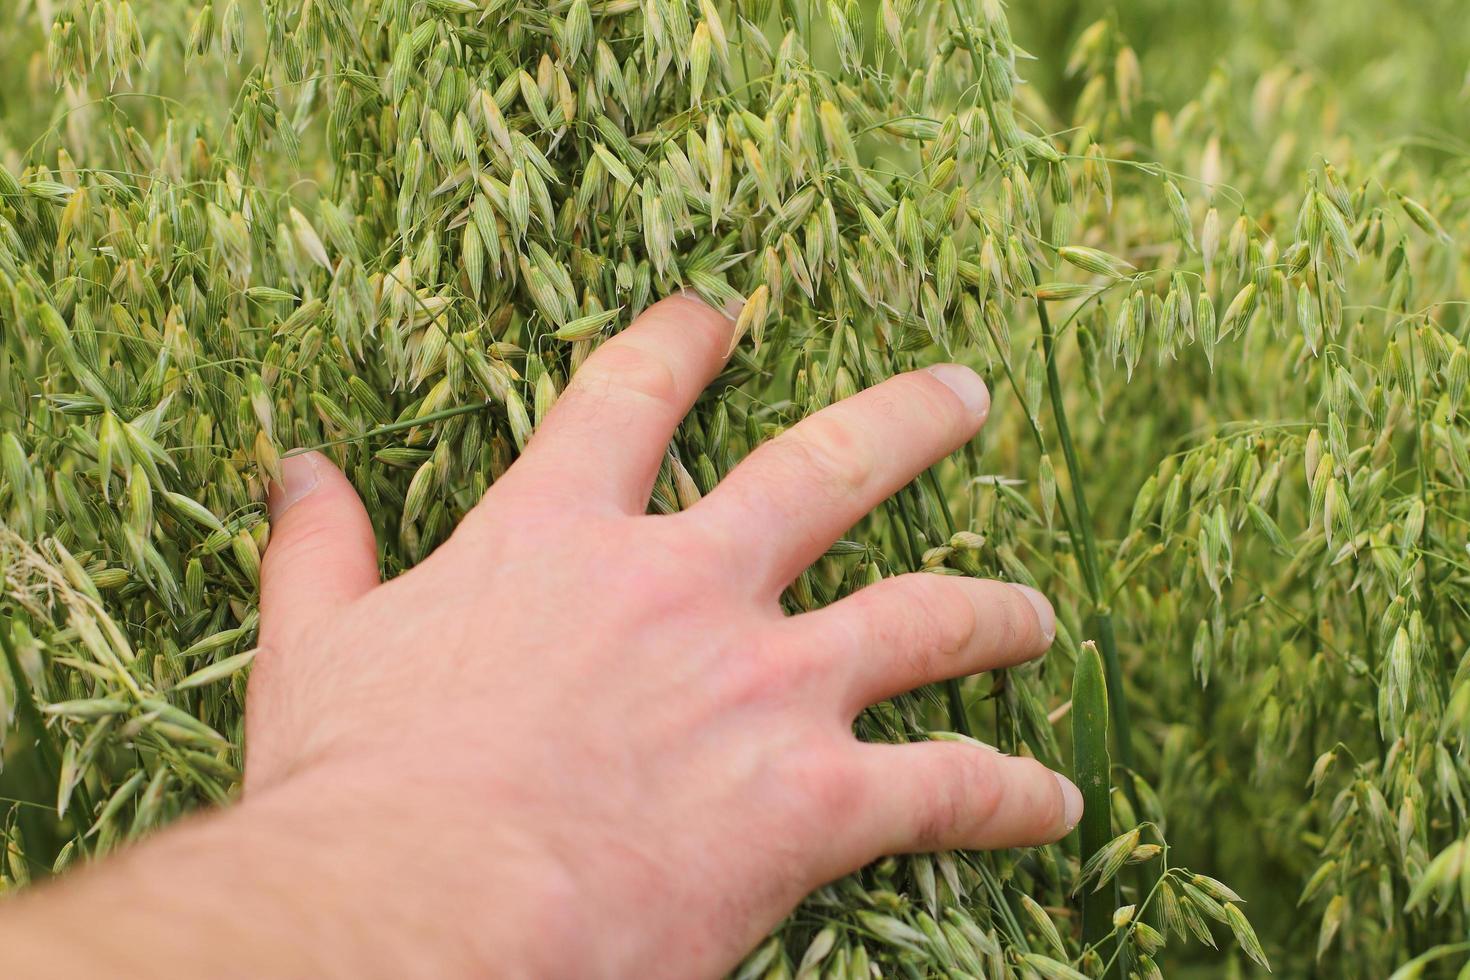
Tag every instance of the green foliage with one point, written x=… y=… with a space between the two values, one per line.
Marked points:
x=1220 y=296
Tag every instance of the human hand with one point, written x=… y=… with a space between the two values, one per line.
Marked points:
x=582 y=741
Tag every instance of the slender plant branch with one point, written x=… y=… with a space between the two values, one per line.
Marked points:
x=1087 y=552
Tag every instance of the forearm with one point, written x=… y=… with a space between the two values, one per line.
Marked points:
x=284 y=884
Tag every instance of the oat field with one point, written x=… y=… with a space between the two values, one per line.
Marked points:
x=1212 y=259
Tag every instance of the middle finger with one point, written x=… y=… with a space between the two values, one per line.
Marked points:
x=795 y=495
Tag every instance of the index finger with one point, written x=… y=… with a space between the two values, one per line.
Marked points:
x=608 y=432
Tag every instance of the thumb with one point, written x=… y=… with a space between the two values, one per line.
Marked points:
x=321 y=555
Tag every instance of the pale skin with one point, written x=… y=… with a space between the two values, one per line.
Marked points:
x=578 y=740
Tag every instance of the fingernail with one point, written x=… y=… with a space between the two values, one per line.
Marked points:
x=299 y=477
x=966 y=385
x=734 y=307
x=1046 y=616
x=1071 y=801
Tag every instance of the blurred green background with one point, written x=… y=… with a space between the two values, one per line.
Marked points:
x=1398 y=67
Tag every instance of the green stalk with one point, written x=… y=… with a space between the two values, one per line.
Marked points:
x=959 y=719
x=1092 y=768
x=1087 y=551
x=1083 y=540
x=958 y=716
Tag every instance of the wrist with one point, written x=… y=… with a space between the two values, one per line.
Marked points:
x=415 y=878
x=323 y=875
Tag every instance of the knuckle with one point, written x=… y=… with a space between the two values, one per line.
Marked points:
x=965 y=795
x=623 y=365
x=912 y=399
x=949 y=613
x=1015 y=621
x=979 y=772
x=829 y=452
x=928 y=619
x=886 y=401
x=941 y=816
x=1043 y=797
